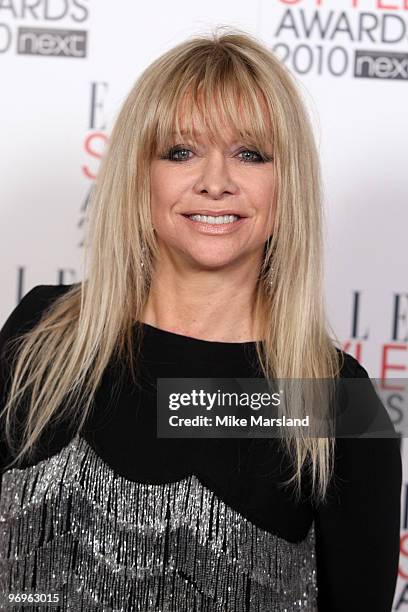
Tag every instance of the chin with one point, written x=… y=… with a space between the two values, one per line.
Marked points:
x=211 y=263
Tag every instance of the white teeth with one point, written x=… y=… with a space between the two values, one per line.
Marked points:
x=214 y=220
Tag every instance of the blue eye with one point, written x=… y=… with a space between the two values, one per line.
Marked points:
x=171 y=154
x=259 y=160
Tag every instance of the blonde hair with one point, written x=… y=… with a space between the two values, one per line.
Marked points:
x=229 y=77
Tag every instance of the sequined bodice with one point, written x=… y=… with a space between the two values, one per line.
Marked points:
x=109 y=544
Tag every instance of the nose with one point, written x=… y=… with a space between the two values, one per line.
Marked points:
x=215 y=178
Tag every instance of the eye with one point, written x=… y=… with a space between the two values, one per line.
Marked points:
x=179 y=153
x=173 y=154
x=258 y=159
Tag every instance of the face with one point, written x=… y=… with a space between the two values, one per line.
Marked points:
x=214 y=181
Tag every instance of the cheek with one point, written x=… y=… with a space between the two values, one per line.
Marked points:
x=264 y=195
x=165 y=188
x=165 y=196
x=161 y=192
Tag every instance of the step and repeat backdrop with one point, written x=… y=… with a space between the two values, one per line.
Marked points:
x=65 y=69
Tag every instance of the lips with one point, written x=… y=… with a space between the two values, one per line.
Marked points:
x=213 y=213
x=214 y=228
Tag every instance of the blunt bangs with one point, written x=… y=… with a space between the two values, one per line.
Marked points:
x=220 y=95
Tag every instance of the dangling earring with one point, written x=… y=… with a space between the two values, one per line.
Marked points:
x=141 y=260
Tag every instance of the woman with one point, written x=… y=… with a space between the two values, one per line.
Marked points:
x=203 y=259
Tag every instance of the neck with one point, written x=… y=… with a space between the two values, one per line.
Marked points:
x=208 y=305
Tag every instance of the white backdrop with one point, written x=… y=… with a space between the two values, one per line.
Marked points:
x=66 y=67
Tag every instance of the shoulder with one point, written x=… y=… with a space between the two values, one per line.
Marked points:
x=29 y=310
x=25 y=315
x=360 y=410
x=367 y=446
x=350 y=367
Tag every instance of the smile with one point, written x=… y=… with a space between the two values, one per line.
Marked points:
x=222 y=224
x=214 y=220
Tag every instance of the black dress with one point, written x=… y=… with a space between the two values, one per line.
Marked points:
x=119 y=519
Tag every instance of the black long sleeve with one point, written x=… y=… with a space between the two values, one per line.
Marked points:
x=357 y=532
x=357 y=528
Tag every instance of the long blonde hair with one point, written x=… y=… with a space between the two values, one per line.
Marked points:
x=60 y=361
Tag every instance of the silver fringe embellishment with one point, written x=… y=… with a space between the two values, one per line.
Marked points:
x=69 y=524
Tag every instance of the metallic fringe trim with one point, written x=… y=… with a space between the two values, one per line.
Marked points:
x=70 y=524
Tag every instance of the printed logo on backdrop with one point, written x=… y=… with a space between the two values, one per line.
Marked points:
x=401 y=599
x=94 y=144
x=364 y=39
x=47 y=41
x=392 y=362
x=31 y=29
x=392 y=358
